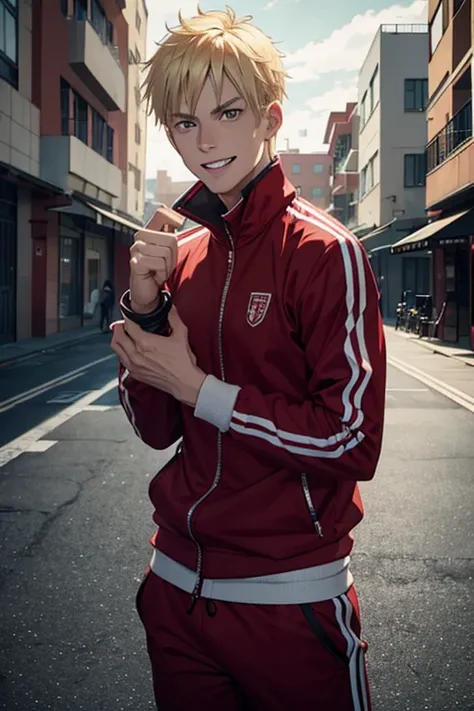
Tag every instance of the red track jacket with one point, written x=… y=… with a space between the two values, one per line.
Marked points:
x=282 y=309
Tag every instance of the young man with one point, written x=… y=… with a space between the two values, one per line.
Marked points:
x=271 y=368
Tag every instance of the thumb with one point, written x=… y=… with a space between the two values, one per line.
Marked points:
x=156 y=222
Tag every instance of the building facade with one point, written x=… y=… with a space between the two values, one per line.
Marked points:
x=342 y=138
x=136 y=17
x=450 y=164
x=393 y=95
x=64 y=227
x=310 y=174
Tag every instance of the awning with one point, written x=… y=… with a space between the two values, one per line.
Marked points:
x=95 y=213
x=453 y=228
x=21 y=176
x=378 y=230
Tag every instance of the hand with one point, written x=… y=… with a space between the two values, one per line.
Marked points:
x=153 y=259
x=164 y=362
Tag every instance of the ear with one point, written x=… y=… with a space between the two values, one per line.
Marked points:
x=274 y=119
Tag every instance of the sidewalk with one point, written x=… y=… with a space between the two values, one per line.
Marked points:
x=464 y=355
x=21 y=350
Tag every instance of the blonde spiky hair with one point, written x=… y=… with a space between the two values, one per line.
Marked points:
x=214 y=45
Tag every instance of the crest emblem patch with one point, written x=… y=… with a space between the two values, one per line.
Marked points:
x=257 y=307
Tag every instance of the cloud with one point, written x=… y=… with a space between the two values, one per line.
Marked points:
x=340 y=54
x=346 y=48
x=313 y=118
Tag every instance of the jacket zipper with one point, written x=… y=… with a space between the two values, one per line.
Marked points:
x=309 y=503
x=230 y=268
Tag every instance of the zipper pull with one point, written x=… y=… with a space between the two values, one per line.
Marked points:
x=318 y=528
x=194 y=599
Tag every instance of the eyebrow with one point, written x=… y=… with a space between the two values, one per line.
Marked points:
x=217 y=110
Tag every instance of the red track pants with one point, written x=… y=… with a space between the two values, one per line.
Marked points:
x=239 y=657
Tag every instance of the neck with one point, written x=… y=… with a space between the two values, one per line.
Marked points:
x=231 y=198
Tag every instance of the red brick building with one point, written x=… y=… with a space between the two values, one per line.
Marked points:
x=342 y=135
x=79 y=83
x=309 y=173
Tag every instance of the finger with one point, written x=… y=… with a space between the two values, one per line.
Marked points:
x=121 y=355
x=159 y=239
x=163 y=256
x=143 y=266
x=122 y=338
x=151 y=250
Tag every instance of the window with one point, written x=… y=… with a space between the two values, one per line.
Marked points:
x=99 y=20
x=436 y=29
x=110 y=33
x=363 y=182
x=416 y=94
x=8 y=41
x=363 y=110
x=138 y=57
x=296 y=169
x=298 y=190
x=318 y=168
x=80 y=118
x=317 y=192
x=110 y=144
x=65 y=93
x=138 y=134
x=99 y=134
x=138 y=179
x=138 y=21
x=65 y=7
x=415 y=170
x=80 y=9
x=373 y=91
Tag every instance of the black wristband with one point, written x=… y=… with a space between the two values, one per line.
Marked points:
x=154 y=322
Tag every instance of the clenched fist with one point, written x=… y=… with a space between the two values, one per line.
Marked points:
x=153 y=259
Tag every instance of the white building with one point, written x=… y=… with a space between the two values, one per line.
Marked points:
x=136 y=15
x=393 y=94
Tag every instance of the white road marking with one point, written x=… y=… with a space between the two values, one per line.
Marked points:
x=29 y=440
x=101 y=408
x=448 y=391
x=43 y=387
x=67 y=397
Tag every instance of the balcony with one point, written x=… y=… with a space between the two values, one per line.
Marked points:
x=450 y=159
x=96 y=63
x=456 y=132
x=63 y=158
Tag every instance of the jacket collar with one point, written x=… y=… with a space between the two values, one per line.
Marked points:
x=263 y=199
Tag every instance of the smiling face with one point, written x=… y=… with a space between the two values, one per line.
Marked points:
x=223 y=143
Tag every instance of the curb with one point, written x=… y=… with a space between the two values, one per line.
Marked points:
x=46 y=349
x=431 y=347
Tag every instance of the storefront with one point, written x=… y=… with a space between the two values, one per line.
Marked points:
x=94 y=246
x=450 y=240
x=8 y=261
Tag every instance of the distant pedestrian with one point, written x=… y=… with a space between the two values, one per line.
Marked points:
x=107 y=301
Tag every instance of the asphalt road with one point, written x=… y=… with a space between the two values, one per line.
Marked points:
x=75 y=521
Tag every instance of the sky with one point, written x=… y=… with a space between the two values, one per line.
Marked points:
x=325 y=45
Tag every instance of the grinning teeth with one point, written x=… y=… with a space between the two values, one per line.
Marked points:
x=218 y=163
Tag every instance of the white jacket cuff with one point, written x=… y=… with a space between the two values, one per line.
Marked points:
x=216 y=402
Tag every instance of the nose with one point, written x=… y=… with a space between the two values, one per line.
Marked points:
x=206 y=142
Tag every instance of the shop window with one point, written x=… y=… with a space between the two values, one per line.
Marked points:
x=69 y=277
x=9 y=41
